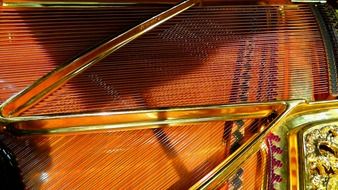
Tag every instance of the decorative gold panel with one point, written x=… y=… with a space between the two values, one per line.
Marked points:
x=321 y=157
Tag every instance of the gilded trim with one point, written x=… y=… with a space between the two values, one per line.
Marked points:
x=58 y=77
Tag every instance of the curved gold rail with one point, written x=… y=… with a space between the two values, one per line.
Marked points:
x=297 y=118
x=294 y=116
x=56 y=78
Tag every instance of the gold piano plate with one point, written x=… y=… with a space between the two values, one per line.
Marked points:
x=199 y=95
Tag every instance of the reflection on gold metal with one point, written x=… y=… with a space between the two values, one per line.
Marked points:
x=301 y=118
x=311 y=128
x=142 y=119
x=295 y=119
x=64 y=4
x=75 y=4
x=321 y=157
x=264 y=154
x=222 y=172
x=53 y=80
x=104 y=3
x=296 y=116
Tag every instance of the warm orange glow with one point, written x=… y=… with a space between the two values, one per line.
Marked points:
x=203 y=56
